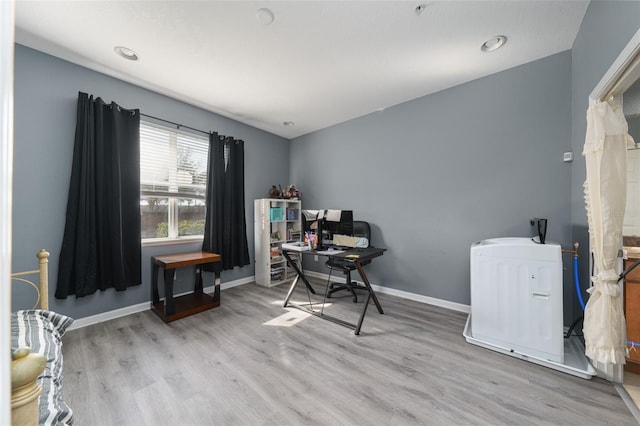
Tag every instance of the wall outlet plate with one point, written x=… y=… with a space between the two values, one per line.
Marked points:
x=567 y=157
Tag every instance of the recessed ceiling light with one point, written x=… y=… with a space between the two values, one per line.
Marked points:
x=289 y=123
x=265 y=16
x=126 y=53
x=494 y=43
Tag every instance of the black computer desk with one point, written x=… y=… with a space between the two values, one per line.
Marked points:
x=358 y=256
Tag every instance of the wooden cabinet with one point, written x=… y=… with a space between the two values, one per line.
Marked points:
x=632 y=314
x=276 y=221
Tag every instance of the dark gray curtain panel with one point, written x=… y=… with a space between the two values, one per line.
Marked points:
x=101 y=247
x=225 y=230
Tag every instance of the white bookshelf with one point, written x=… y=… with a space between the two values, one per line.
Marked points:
x=276 y=221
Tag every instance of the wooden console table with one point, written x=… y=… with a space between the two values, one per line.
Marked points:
x=171 y=309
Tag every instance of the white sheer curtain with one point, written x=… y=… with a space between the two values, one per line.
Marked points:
x=605 y=196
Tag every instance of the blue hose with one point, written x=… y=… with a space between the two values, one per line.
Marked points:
x=576 y=278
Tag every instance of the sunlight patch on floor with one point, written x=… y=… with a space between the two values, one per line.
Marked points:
x=292 y=317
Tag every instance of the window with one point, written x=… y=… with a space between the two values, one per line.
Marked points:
x=173 y=180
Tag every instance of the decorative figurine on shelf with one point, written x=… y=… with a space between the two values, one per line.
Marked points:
x=291 y=192
x=274 y=192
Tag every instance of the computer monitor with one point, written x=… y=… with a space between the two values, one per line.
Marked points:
x=327 y=222
x=310 y=220
x=336 y=222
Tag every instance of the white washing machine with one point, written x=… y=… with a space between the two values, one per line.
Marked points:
x=516 y=303
x=516 y=296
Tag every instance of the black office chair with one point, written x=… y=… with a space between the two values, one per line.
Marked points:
x=360 y=229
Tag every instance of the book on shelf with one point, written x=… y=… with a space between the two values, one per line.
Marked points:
x=293 y=235
x=277 y=272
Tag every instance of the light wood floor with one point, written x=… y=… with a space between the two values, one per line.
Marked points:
x=251 y=362
x=631 y=384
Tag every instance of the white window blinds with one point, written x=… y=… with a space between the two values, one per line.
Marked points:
x=172 y=162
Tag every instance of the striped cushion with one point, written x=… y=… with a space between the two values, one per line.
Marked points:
x=42 y=331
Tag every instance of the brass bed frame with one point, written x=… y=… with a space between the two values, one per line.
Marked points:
x=26 y=366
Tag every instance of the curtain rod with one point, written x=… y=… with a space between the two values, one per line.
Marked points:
x=178 y=125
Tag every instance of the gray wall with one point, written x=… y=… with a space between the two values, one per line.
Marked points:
x=469 y=163
x=436 y=174
x=432 y=175
x=605 y=31
x=46 y=92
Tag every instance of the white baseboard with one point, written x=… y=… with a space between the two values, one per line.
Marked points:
x=403 y=294
x=423 y=299
x=128 y=310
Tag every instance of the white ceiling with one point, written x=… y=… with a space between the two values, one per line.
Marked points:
x=319 y=63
